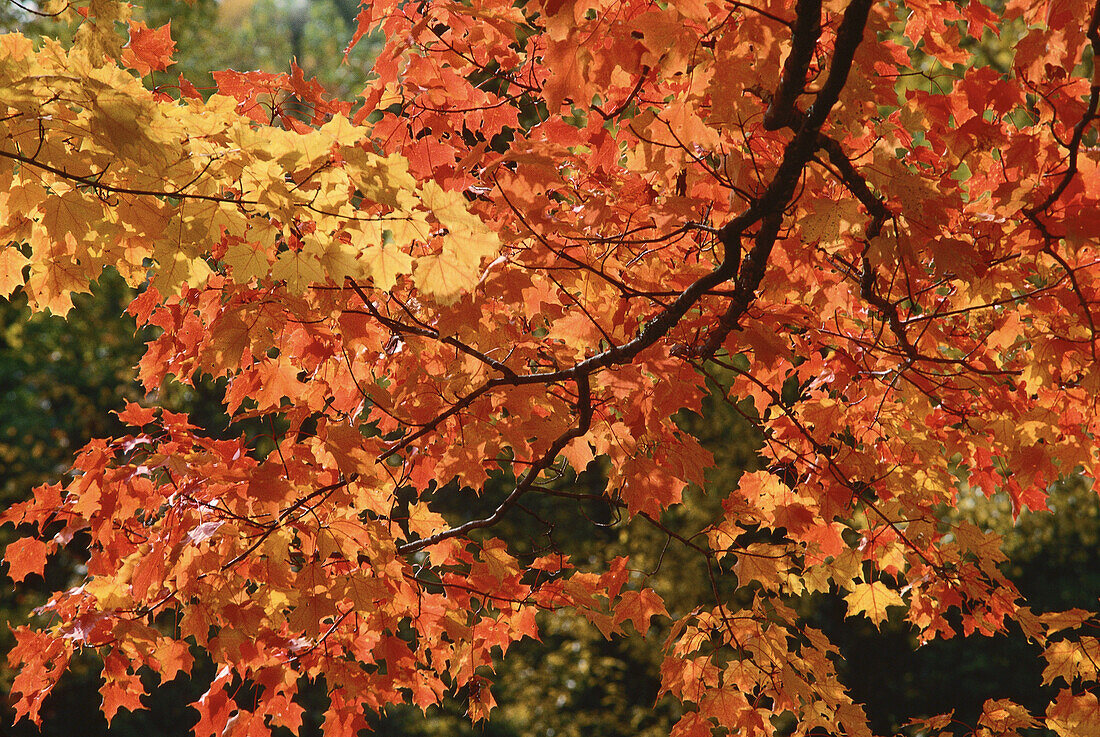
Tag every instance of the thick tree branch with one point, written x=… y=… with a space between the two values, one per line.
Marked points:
x=767 y=210
x=769 y=207
x=781 y=111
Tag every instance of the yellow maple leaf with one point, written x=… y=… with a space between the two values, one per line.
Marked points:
x=1071 y=715
x=52 y=283
x=342 y=132
x=473 y=245
x=406 y=230
x=248 y=261
x=12 y=262
x=384 y=264
x=72 y=212
x=763 y=563
x=23 y=196
x=449 y=207
x=15 y=46
x=444 y=276
x=457 y=267
x=295 y=150
x=382 y=179
x=113 y=591
x=176 y=269
x=329 y=200
x=872 y=599
x=299 y=269
x=338 y=259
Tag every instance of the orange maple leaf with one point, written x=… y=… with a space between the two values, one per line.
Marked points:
x=25 y=556
x=149 y=48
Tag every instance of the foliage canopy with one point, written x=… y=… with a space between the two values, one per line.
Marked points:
x=520 y=254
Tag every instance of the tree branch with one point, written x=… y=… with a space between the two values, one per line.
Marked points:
x=584 y=412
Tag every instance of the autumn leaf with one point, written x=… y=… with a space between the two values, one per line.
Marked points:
x=148 y=48
x=444 y=276
x=247 y=260
x=385 y=264
x=25 y=556
x=177 y=270
x=761 y=295
x=1054 y=622
x=871 y=600
x=135 y=415
x=12 y=262
x=298 y=268
x=456 y=269
x=639 y=607
x=1073 y=714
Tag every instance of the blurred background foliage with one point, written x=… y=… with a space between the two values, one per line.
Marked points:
x=60 y=379
x=264 y=35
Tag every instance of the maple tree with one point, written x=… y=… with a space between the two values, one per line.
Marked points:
x=522 y=252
